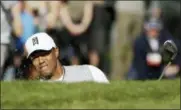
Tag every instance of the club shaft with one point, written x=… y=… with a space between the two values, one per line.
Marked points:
x=163 y=72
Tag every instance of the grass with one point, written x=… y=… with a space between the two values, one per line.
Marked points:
x=119 y=94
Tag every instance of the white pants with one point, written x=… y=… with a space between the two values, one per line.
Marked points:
x=4 y=54
x=9 y=74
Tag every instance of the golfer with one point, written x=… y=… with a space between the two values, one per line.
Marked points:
x=44 y=54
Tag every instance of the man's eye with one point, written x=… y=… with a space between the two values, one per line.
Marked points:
x=33 y=58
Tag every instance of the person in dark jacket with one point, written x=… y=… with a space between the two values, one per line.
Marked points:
x=147 y=62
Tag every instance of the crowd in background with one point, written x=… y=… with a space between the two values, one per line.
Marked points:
x=122 y=38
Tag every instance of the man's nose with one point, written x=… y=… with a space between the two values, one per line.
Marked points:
x=40 y=59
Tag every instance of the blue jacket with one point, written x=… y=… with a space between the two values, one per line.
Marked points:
x=140 y=49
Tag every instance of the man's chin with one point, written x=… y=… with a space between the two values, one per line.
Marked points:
x=45 y=74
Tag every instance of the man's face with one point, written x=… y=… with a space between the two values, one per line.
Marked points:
x=153 y=33
x=45 y=62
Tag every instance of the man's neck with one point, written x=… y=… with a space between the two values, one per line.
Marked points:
x=58 y=72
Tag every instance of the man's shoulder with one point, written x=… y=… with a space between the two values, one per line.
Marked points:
x=87 y=70
x=77 y=73
x=83 y=67
x=76 y=67
x=79 y=66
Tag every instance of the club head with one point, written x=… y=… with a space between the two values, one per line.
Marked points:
x=169 y=50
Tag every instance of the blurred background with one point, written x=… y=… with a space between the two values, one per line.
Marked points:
x=122 y=38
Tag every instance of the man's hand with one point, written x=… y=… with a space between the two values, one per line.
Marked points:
x=172 y=70
x=77 y=29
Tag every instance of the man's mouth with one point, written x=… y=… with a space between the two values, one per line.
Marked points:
x=43 y=67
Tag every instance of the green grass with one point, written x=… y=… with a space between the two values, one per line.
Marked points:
x=118 y=94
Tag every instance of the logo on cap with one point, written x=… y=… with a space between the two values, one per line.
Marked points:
x=35 y=41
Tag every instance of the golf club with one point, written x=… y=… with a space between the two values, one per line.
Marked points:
x=169 y=52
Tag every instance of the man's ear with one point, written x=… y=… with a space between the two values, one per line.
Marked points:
x=57 y=52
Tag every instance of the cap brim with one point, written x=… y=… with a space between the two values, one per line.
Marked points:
x=38 y=50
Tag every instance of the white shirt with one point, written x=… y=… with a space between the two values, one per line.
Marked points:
x=154 y=44
x=81 y=73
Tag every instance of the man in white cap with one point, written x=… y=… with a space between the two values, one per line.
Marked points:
x=44 y=54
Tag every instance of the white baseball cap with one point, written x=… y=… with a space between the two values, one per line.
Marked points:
x=39 y=41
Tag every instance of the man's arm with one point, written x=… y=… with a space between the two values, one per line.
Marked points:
x=16 y=24
x=77 y=28
x=98 y=75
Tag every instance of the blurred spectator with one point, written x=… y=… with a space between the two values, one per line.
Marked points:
x=170 y=14
x=69 y=23
x=99 y=41
x=154 y=10
x=28 y=28
x=12 y=70
x=23 y=27
x=6 y=24
x=104 y=17
x=97 y=34
x=147 y=62
x=129 y=21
